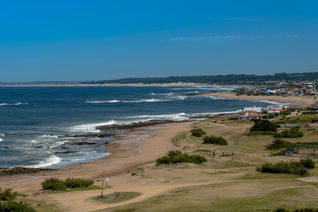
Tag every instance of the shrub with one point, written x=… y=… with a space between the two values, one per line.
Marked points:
x=11 y=206
x=77 y=183
x=54 y=184
x=197 y=132
x=214 y=140
x=296 y=210
x=7 y=195
x=293 y=132
x=307 y=163
x=279 y=143
x=174 y=157
x=283 y=167
x=264 y=125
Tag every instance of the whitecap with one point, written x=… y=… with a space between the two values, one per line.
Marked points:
x=125 y=101
x=272 y=102
x=174 y=117
x=213 y=97
x=51 y=160
x=49 y=136
x=2 y=136
x=90 y=127
x=13 y=104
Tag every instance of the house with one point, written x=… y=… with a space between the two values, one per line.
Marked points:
x=254 y=108
x=243 y=91
x=248 y=115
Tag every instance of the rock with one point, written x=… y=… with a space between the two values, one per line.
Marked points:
x=84 y=143
x=21 y=170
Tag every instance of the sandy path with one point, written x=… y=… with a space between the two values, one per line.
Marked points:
x=83 y=203
x=302 y=101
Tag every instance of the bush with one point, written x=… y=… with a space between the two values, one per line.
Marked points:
x=12 y=206
x=308 y=163
x=197 y=132
x=279 y=143
x=264 y=125
x=284 y=167
x=296 y=210
x=174 y=157
x=54 y=184
x=293 y=132
x=214 y=140
x=7 y=194
x=78 y=183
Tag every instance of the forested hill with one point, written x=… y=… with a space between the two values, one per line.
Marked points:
x=216 y=79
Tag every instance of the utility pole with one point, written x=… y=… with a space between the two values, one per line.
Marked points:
x=103 y=178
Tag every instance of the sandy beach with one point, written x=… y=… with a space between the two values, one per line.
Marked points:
x=138 y=147
x=301 y=101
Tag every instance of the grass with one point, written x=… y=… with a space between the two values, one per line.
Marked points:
x=112 y=198
x=217 y=198
x=93 y=187
x=178 y=138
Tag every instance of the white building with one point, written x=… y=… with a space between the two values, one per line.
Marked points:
x=254 y=108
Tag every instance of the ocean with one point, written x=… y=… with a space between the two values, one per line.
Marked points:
x=35 y=120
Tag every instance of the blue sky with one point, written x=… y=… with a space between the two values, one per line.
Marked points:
x=107 y=39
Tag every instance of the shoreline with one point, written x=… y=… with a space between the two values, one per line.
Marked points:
x=301 y=101
x=131 y=150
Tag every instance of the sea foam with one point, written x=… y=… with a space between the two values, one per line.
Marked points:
x=51 y=160
x=91 y=127
x=13 y=104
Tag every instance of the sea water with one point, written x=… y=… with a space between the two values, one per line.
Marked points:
x=34 y=121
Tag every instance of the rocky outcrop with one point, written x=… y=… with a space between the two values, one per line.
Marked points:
x=21 y=170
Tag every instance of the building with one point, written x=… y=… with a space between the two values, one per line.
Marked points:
x=248 y=115
x=254 y=108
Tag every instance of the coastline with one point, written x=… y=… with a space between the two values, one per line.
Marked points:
x=301 y=101
x=129 y=151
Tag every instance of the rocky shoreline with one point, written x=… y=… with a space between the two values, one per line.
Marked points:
x=21 y=170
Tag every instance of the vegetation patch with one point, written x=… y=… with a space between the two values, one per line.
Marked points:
x=176 y=140
x=198 y=132
x=214 y=140
x=296 y=168
x=308 y=163
x=117 y=197
x=174 y=157
x=8 y=203
x=296 y=210
x=264 y=126
x=13 y=206
x=293 y=132
x=56 y=184
x=7 y=195
x=279 y=143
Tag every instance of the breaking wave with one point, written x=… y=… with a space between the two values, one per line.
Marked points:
x=91 y=127
x=13 y=104
x=2 y=136
x=126 y=101
x=52 y=160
